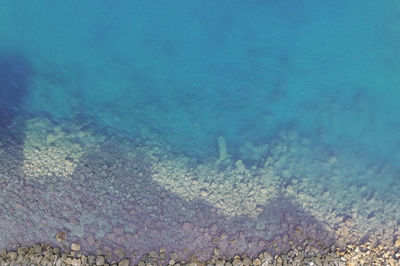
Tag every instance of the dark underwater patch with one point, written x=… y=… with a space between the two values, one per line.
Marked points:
x=15 y=75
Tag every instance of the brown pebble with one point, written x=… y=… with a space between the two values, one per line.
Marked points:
x=75 y=247
x=61 y=236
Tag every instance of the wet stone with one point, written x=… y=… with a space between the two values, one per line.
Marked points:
x=153 y=254
x=59 y=262
x=237 y=262
x=220 y=263
x=119 y=252
x=75 y=247
x=48 y=253
x=45 y=261
x=31 y=251
x=3 y=253
x=124 y=262
x=246 y=261
x=12 y=255
x=22 y=250
x=91 y=259
x=25 y=261
x=76 y=262
x=266 y=257
x=38 y=249
x=163 y=256
x=100 y=260
x=257 y=262
x=39 y=259
x=61 y=236
x=56 y=251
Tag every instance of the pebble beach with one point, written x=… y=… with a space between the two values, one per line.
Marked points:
x=300 y=255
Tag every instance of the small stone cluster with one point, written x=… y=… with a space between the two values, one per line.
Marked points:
x=305 y=254
x=45 y=255
x=49 y=150
x=308 y=255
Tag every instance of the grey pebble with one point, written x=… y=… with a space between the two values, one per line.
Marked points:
x=100 y=260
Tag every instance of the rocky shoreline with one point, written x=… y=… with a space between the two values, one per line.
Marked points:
x=306 y=254
x=132 y=203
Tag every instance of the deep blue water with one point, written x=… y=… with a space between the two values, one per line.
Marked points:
x=187 y=72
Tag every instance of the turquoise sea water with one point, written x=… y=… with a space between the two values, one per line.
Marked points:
x=185 y=73
x=193 y=71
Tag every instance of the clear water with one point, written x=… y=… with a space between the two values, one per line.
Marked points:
x=313 y=86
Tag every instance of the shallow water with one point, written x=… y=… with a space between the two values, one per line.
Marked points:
x=194 y=125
